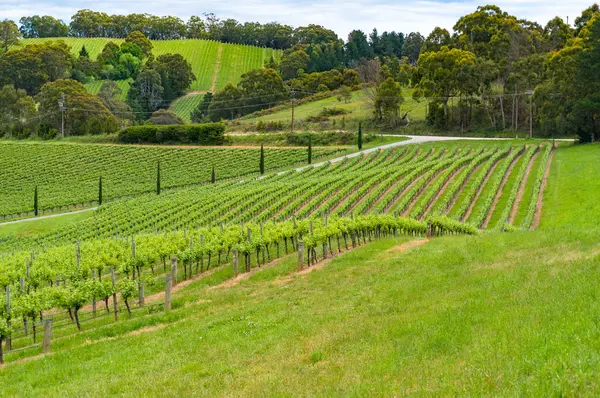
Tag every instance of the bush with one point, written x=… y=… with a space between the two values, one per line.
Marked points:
x=333 y=111
x=323 y=139
x=165 y=117
x=201 y=134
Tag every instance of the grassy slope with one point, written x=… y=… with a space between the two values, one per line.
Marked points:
x=443 y=319
x=184 y=106
x=571 y=196
x=496 y=314
x=214 y=64
x=358 y=107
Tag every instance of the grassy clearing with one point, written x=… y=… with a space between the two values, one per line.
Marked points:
x=358 y=107
x=457 y=316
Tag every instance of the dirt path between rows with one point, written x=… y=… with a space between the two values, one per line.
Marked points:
x=213 y=85
x=538 y=206
x=519 y=198
x=488 y=217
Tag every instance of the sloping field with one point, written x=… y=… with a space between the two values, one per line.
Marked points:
x=215 y=64
x=68 y=174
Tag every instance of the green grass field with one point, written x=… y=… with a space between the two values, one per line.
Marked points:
x=215 y=64
x=358 y=107
x=493 y=314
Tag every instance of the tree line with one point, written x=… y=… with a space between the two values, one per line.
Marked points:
x=42 y=90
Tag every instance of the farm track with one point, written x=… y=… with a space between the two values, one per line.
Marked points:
x=505 y=178
x=515 y=208
x=213 y=85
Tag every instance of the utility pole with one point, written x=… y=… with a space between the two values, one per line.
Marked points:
x=530 y=93
x=61 y=106
x=530 y=116
x=292 y=95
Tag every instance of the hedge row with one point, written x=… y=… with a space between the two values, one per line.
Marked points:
x=201 y=134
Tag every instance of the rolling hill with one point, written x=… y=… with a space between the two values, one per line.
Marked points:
x=214 y=63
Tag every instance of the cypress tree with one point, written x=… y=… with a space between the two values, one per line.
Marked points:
x=35 y=202
x=262 y=159
x=100 y=191
x=213 y=177
x=360 y=137
x=309 y=148
x=158 y=178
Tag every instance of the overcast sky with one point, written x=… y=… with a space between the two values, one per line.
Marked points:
x=340 y=15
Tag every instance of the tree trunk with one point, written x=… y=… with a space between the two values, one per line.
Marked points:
x=77 y=319
x=1 y=351
x=106 y=305
x=128 y=309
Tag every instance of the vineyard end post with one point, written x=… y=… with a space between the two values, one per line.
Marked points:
x=174 y=270
x=114 y=284
x=300 y=255
x=168 y=284
x=47 y=336
x=235 y=263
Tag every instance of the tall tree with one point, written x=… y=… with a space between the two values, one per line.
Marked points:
x=262 y=160
x=9 y=34
x=100 y=191
x=388 y=101
x=360 y=136
x=35 y=201
x=146 y=93
x=42 y=26
x=158 y=178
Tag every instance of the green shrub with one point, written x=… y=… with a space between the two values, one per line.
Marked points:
x=201 y=134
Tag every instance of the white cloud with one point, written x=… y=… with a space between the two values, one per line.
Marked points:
x=341 y=16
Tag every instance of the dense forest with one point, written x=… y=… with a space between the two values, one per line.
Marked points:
x=494 y=71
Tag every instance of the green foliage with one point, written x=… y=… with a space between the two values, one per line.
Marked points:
x=261 y=167
x=360 y=137
x=201 y=134
x=165 y=117
x=387 y=102
x=86 y=113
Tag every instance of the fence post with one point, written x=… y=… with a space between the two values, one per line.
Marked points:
x=114 y=284
x=168 y=284
x=235 y=262
x=174 y=270
x=8 y=339
x=94 y=297
x=300 y=255
x=141 y=294
x=47 y=335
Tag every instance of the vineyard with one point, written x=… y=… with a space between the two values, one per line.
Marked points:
x=126 y=261
x=68 y=175
x=493 y=186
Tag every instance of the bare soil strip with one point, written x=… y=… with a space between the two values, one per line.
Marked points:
x=515 y=208
x=500 y=189
x=538 y=206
